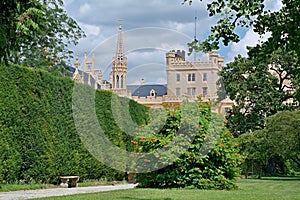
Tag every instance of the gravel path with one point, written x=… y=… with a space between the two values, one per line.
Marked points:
x=31 y=194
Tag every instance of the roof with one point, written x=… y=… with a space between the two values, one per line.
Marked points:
x=87 y=79
x=144 y=90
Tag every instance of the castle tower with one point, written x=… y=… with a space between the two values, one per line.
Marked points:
x=192 y=79
x=215 y=58
x=119 y=65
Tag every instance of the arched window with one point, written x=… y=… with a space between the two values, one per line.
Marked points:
x=152 y=93
x=122 y=81
x=118 y=82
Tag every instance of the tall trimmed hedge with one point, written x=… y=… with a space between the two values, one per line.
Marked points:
x=38 y=138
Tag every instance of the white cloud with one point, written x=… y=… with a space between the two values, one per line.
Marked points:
x=68 y=2
x=151 y=72
x=181 y=27
x=273 y=5
x=250 y=39
x=174 y=28
x=90 y=30
x=84 y=8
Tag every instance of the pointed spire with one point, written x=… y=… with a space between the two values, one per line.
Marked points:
x=119 y=64
x=120 y=48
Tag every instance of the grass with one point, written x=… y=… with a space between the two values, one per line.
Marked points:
x=248 y=189
x=99 y=182
x=15 y=187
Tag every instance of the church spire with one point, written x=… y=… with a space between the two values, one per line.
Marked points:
x=119 y=64
x=120 y=47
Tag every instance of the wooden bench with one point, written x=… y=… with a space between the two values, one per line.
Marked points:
x=73 y=181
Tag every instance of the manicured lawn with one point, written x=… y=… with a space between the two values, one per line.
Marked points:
x=248 y=189
x=15 y=187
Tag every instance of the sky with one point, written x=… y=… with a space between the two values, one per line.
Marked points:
x=150 y=29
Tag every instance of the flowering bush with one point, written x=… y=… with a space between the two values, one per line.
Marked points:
x=208 y=158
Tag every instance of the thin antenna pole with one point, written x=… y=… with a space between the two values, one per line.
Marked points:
x=195 y=35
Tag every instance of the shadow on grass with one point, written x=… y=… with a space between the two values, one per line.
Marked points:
x=284 y=178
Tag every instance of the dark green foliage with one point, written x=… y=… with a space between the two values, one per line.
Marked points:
x=37 y=34
x=260 y=87
x=234 y=15
x=248 y=81
x=38 y=137
x=274 y=149
x=209 y=162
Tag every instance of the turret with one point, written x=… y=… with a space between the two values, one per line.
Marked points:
x=173 y=56
x=180 y=55
x=170 y=56
x=215 y=58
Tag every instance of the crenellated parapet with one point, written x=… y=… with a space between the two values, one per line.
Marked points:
x=176 y=60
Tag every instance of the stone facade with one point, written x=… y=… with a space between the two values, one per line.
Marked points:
x=192 y=79
x=186 y=79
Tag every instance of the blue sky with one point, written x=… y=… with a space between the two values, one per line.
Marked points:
x=150 y=29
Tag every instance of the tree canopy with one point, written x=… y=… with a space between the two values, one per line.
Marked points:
x=36 y=33
x=267 y=80
x=260 y=89
x=282 y=131
x=283 y=24
x=279 y=139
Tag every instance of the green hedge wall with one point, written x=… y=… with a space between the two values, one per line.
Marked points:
x=38 y=138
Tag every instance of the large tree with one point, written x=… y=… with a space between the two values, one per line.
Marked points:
x=283 y=134
x=36 y=33
x=260 y=89
x=257 y=83
x=278 y=143
x=283 y=24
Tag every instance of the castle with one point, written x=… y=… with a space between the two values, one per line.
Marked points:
x=185 y=79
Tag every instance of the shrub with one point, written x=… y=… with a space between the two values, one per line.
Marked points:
x=209 y=162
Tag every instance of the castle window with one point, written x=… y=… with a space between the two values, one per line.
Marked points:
x=204 y=76
x=177 y=77
x=118 y=82
x=122 y=81
x=204 y=93
x=192 y=77
x=178 y=92
x=191 y=91
x=152 y=93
